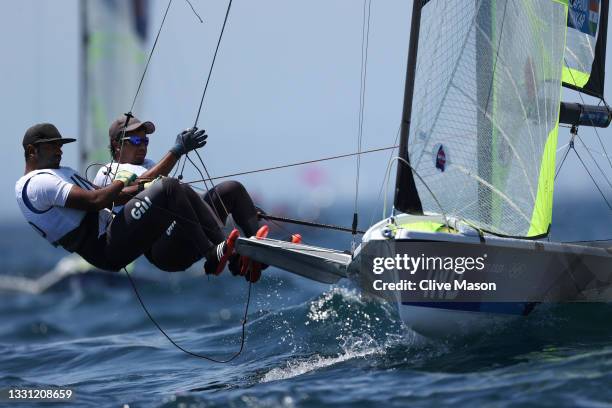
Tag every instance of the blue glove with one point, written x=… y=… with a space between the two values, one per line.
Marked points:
x=189 y=140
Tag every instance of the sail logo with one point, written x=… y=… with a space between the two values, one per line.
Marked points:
x=583 y=15
x=140 y=208
x=440 y=158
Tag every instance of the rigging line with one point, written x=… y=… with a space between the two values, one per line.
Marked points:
x=602 y=144
x=595 y=161
x=278 y=222
x=307 y=223
x=294 y=164
x=194 y=11
x=597 y=152
x=569 y=147
x=227 y=213
x=210 y=190
x=563 y=147
x=382 y=186
x=365 y=40
x=594 y=182
x=402 y=160
x=593 y=125
x=176 y=167
x=178 y=346
x=183 y=167
x=90 y=166
x=212 y=64
x=590 y=240
x=151 y=54
x=129 y=115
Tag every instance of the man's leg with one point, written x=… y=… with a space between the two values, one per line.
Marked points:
x=174 y=250
x=212 y=225
x=231 y=197
x=147 y=216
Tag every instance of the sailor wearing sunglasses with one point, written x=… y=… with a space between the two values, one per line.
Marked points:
x=174 y=251
x=69 y=211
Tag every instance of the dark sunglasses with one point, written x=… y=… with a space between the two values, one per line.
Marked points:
x=137 y=140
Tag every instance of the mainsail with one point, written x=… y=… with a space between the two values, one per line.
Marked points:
x=113 y=39
x=585 y=50
x=484 y=113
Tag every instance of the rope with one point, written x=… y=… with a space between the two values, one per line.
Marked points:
x=594 y=127
x=178 y=216
x=213 y=63
x=292 y=164
x=595 y=161
x=307 y=223
x=365 y=41
x=194 y=11
x=594 y=182
x=150 y=55
x=178 y=346
x=569 y=147
x=384 y=181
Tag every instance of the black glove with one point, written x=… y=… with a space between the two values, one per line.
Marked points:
x=189 y=140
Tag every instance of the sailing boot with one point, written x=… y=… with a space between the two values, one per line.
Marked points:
x=251 y=270
x=218 y=256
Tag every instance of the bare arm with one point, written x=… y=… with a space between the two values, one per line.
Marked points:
x=126 y=194
x=93 y=200
x=161 y=168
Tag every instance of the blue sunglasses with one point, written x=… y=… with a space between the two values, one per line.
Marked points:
x=137 y=140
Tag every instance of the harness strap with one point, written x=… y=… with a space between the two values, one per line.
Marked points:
x=26 y=200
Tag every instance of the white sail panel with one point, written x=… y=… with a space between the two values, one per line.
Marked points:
x=486 y=101
x=114 y=34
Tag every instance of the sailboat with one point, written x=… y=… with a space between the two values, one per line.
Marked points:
x=476 y=165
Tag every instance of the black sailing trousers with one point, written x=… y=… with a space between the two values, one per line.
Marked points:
x=175 y=250
x=169 y=222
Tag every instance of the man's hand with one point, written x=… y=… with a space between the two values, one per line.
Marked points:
x=127 y=177
x=189 y=140
x=148 y=183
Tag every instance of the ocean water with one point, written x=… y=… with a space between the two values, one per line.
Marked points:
x=307 y=344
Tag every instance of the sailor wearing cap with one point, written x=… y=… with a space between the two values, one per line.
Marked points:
x=128 y=146
x=71 y=212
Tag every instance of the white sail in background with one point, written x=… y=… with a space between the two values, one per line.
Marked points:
x=113 y=57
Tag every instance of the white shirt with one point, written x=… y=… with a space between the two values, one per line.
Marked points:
x=41 y=196
x=105 y=175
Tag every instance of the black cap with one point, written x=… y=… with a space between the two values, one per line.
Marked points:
x=43 y=133
x=118 y=126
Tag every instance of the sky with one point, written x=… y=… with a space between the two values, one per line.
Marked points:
x=285 y=89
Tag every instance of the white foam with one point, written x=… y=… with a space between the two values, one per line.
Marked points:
x=295 y=368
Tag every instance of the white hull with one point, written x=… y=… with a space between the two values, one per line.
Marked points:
x=588 y=267
x=437 y=319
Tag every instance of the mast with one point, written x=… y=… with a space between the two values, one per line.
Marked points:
x=83 y=87
x=406 y=195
